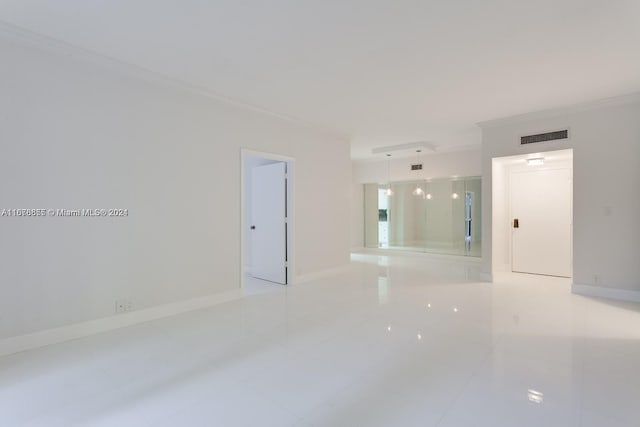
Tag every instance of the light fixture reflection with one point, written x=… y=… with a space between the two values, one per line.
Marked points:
x=418 y=191
x=429 y=305
x=389 y=328
x=429 y=196
x=538 y=161
x=454 y=196
x=455 y=309
x=535 y=396
x=389 y=192
x=419 y=336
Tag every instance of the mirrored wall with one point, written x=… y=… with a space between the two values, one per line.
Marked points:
x=437 y=216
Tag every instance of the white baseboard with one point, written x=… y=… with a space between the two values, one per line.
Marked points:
x=602 y=292
x=321 y=274
x=78 y=330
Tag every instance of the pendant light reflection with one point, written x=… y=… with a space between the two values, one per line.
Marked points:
x=427 y=189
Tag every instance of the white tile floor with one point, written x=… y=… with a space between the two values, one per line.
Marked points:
x=400 y=341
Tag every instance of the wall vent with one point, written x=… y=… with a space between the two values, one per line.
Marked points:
x=544 y=137
x=417 y=167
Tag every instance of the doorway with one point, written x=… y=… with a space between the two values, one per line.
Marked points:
x=532 y=213
x=267 y=219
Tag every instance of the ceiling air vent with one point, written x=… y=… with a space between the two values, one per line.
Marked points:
x=544 y=137
x=417 y=167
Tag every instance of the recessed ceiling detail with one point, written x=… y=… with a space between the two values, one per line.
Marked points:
x=411 y=146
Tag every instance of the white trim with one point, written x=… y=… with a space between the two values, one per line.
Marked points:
x=79 y=330
x=559 y=112
x=322 y=274
x=51 y=44
x=602 y=292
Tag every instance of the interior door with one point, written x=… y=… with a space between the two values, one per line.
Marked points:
x=541 y=222
x=269 y=228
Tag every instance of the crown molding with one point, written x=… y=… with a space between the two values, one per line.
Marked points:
x=615 y=101
x=50 y=44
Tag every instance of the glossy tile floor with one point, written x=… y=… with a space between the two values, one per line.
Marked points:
x=402 y=340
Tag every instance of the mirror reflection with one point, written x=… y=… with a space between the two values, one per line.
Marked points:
x=437 y=216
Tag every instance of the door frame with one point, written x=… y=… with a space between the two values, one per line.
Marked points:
x=290 y=227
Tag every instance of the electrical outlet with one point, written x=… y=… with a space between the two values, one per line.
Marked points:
x=124 y=305
x=120 y=306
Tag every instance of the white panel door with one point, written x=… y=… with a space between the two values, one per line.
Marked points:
x=541 y=203
x=268 y=226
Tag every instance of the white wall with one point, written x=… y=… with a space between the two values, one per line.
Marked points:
x=605 y=137
x=440 y=165
x=78 y=131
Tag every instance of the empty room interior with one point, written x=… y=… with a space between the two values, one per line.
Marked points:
x=358 y=213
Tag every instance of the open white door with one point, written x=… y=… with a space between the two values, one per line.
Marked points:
x=268 y=227
x=541 y=222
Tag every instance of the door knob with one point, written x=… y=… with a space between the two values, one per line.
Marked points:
x=516 y=223
x=253 y=227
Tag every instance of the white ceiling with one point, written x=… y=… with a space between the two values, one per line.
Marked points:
x=379 y=72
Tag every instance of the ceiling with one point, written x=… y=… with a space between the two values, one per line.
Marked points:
x=378 y=72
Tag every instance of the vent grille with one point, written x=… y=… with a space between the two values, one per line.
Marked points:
x=417 y=167
x=543 y=137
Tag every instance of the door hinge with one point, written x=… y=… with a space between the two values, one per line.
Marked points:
x=286 y=263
